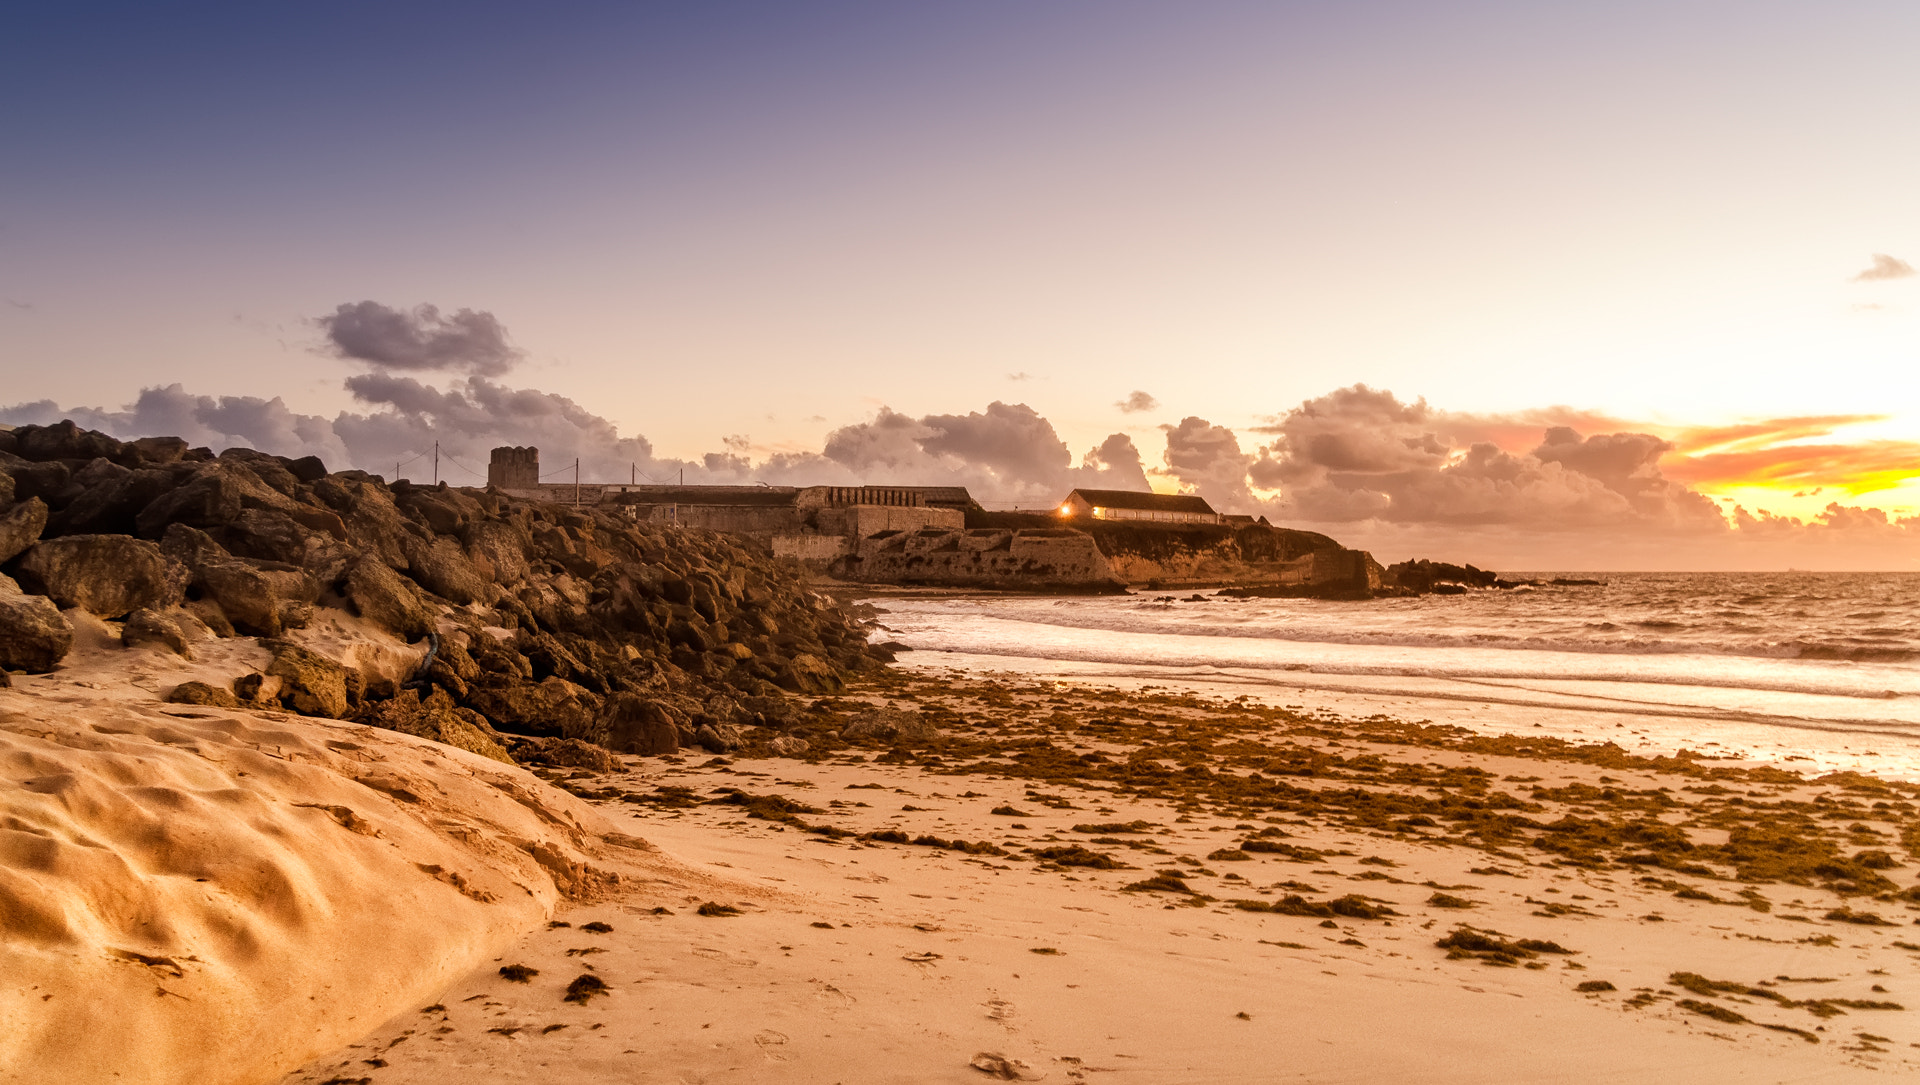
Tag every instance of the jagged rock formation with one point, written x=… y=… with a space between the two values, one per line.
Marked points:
x=548 y=623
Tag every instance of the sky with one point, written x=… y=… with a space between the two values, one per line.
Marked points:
x=1353 y=266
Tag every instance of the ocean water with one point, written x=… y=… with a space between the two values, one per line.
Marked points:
x=1801 y=667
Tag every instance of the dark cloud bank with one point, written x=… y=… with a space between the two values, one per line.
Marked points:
x=1401 y=478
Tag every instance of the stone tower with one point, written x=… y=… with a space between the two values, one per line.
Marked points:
x=514 y=468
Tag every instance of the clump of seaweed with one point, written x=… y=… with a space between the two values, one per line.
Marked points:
x=518 y=973
x=1075 y=855
x=1352 y=906
x=1159 y=883
x=1594 y=987
x=1709 y=1009
x=715 y=908
x=1865 y=919
x=1448 y=900
x=1490 y=948
x=583 y=989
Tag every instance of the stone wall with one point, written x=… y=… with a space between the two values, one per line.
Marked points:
x=1037 y=560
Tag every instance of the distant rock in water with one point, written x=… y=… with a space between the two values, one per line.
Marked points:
x=553 y=624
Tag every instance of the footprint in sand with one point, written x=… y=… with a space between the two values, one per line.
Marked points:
x=770 y=1042
x=999 y=1009
x=833 y=998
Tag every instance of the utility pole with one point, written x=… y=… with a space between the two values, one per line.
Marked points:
x=436 y=463
x=576 y=482
x=683 y=476
x=635 y=480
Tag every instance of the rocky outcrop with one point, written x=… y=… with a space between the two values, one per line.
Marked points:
x=106 y=575
x=34 y=635
x=551 y=624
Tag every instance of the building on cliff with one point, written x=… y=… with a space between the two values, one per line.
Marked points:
x=1136 y=505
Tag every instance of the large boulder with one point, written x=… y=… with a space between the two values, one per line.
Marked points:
x=105 y=575
x=442 y=568
x=634 y=724
x=20 y=527
x=34 y=635
x=387 y=599
x=311 y=684
x=260 y=598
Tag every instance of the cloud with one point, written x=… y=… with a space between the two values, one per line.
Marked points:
x=1207 y=460
x=1137 y=401
x=1361 y=454
x=1884 y=267
x=1022 y=376
x=368 y=331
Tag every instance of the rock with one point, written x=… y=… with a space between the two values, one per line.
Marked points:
x=148 y=626
x=112 y=500
x=553 y=707
x=314 y=685
x=569 y=753
x=442 y=509
x=789 y=746
x=387 y=599
x=213 y=495
x=437 y=718
x=46 y=481
x=806 y=673
x=159 y=451
x=498 y=550
x=201 y=693
x=718 y=737
x=259 y=690
x=6 y=489
x=105 y=575
x=269 y=469
x=64 y=440
x=307 y=468
x=634 y=724
x=208 y=613
x=890 y=726
x=34 y=635
x=21 y=527
x=442 y=568
x=260 y=598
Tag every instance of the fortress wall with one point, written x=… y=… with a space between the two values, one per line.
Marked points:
x=1042 y=561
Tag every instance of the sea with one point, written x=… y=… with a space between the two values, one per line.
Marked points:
x=1812 y=671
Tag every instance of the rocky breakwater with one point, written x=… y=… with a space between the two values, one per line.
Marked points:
x=506 y=627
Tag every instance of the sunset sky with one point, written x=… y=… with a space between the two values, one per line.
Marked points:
x=773 y=239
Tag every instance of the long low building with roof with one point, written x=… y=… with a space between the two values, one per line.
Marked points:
x=1138 y=505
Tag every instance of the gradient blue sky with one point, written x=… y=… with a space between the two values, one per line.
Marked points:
x=768 y=220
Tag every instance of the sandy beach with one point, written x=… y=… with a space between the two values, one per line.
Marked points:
x=1075 y=883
